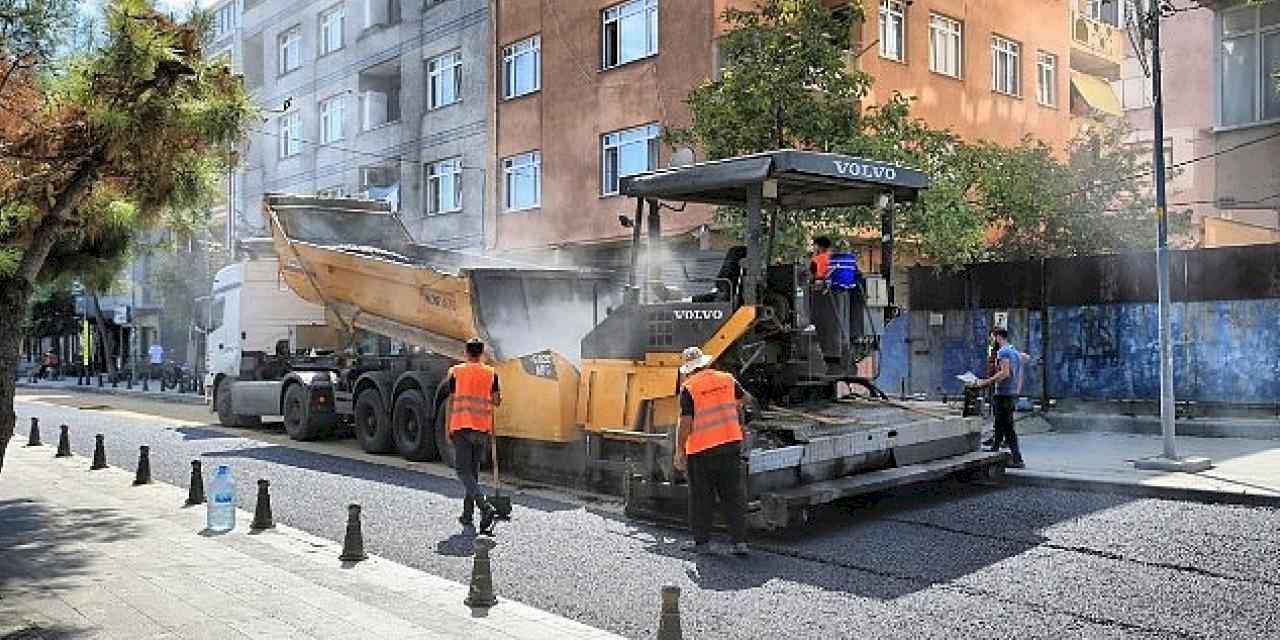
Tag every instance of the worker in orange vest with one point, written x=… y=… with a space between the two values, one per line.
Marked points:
x=709 y=448
x=819 y=264
x=475 y=392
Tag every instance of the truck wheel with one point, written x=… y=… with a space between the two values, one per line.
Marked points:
x=443 y=444
x=373 y=427
x=297 y=414
x=223 y=407
x=413 y=421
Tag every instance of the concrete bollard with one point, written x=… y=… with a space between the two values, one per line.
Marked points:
x=481 y=595
x=33 y=439
x=262 y=519
x=64 y=443
x=99 y=453
x=353 y=542
x=195 y=495
x=669 y=618
x=143 y=475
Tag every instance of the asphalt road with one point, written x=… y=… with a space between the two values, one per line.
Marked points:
x=947 y=562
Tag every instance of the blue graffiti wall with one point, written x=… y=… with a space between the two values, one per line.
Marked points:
x=1224 y=351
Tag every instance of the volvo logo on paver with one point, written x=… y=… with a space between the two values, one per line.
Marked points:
x=699 y=314
x=860 y=170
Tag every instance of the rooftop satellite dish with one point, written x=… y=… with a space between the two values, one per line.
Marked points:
x=681 y=157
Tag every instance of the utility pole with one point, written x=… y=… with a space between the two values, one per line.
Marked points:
x=1169 y=460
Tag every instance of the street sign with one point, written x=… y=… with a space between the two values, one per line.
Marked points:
x=121 y=315
x=1001 y=320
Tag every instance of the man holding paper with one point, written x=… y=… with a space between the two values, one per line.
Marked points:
x=1007 y=380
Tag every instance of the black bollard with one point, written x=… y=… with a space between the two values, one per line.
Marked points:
x=128 y=382
x=99 y=380
x=353 y=542
x=144 y=382
x=99 y=453
x=262 y=519
x=144 y=466
x=669 y=618
x=115 y=381
x=195 y=495
x=481 y=595
x=64 y=443
x=33 y=440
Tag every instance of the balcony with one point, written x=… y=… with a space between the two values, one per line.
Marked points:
x=1097 y=48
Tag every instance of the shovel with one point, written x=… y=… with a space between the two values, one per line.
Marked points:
x=501 y=504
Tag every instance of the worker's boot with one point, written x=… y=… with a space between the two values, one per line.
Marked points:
x=1015 y=462
x=487 y=515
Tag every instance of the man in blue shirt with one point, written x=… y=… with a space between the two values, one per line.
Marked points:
x=1008 y=383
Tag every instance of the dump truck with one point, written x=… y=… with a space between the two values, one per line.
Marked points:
x=590 y=366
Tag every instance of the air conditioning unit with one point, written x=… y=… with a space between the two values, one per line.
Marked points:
x=375 y=109
x=376 y=12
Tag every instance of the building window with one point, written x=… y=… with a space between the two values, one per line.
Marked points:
x=446 y=79
x=523 y=177
x=331 y=23
x=444 y=186
x=1006 y=66
x=626 y=153
x=1047 y=79
x=946 y=45
x=630 y=32
x=224 y=21
x=893 y=26
x=290 y=125
x=1107 y=11
x=332 y=114
x=1250 y=42
x=522 y=67
x=290 y=46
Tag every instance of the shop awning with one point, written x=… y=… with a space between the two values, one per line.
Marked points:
x=1097 y=93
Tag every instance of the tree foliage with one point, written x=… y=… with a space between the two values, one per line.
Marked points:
x=789 y=81
x=97 y=146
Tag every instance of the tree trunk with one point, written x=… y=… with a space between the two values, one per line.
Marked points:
x=14 y=295
x=105 y=338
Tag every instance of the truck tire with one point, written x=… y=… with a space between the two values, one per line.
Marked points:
x=373 y=426
x=223 y=407
x=414 y=423
x=297 y=414
x=443 y=444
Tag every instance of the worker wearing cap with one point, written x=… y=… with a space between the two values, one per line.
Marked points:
x=475 y=391
x=709 y=448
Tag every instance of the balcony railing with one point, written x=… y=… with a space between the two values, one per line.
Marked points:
x=1100 y=46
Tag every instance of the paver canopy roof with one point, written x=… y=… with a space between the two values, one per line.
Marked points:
x=805 y=180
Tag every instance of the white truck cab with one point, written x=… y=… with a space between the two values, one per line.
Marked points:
x=253 y=314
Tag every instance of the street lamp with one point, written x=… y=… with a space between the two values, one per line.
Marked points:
x=1169 y=459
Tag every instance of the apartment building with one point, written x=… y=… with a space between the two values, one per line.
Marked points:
x=986 y=69
x=1192 y=47
x=381 y=98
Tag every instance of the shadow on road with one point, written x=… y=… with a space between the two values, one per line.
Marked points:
x=373 y=472
x=200 y=433
x=44 y=548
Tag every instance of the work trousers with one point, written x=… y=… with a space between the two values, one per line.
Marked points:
x=716 y=473
x=1003 y=408
x=468 y=453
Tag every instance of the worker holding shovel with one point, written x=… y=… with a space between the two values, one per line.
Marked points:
x=475 y=393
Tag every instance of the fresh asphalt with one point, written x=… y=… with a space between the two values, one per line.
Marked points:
x=949 y=561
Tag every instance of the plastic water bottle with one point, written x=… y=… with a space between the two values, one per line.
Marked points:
x=222 y=500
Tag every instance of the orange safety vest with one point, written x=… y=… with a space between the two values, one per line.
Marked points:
x=820 y=262
x=715 y=411
x=472 y=404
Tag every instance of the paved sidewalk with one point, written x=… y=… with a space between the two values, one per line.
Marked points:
x=87 y=555
x=1244 y=472
x=154 y=392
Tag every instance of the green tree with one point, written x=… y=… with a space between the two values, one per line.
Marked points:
x=788 y=82
x=95 y=147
